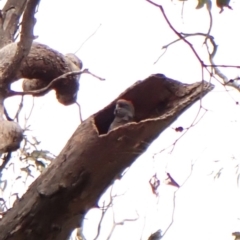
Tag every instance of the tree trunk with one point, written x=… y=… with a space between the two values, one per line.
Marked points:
x=57 y=201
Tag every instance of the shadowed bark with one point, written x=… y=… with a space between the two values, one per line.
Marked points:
x=11 y=133
x=36 y=62
x=23 y=46
x=42 y=63
x=9 y=19
x=57 y=201
x=40 y=67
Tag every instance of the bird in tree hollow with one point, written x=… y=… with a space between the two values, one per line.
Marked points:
x=124 y=113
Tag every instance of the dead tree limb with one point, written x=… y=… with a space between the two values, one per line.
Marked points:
x=9 y=20
x=57 y=201
x=24 y=45
x=11 y=133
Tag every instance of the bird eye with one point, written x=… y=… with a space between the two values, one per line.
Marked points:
x=121 y=104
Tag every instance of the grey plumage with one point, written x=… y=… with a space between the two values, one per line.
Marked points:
x=124 y=113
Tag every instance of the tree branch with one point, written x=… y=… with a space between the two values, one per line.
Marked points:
x=9 y=23
x=51 y=85
x=58 y=200
x=24 y=45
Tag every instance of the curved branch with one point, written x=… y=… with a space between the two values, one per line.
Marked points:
x=51 y=85
x=176 y=32
x=183 y=36
x=24 y=45
x=9 y=23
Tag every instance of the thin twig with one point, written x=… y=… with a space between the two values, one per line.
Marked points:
x=203 y=65
x=44 y=90
x=104 y=210
x=176 y=32
x=174 y=200
x=7 y=115
x=5 y=161
x=19 y=110
x=209 y=6
x=88 y=38
x=30 y=113
x=80 y=112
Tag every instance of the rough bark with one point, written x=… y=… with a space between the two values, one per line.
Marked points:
x=37 y=63
x=42 y=66
x=57 y=201
x=10 y=16
x=11 y=136
x=39 y=68
x=23 y=46
x=11 y=133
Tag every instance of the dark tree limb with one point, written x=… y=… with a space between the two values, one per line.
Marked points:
x=6 y=160
x=51 y=85
x=57 y=201
x=24 y=45
x=9 y=20
x=11 y=133
x=45 y=69
x=42 y=63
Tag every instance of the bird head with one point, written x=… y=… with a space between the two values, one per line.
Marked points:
x=123 y=106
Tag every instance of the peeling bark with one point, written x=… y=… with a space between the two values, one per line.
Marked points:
x=57 y=201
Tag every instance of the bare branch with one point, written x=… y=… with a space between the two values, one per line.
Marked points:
x=10 y=16
x=183 y=37
x=177 y=33
x=88 y=38
x=19 y=110
x=6 y=159
x=174 y=201
x=80 y=112
x=81 y=173
x=24 y=45
x=46 y=89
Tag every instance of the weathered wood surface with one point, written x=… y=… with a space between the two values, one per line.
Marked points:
x=57 y=201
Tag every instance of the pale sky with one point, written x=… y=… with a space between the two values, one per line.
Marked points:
x=123 y=51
